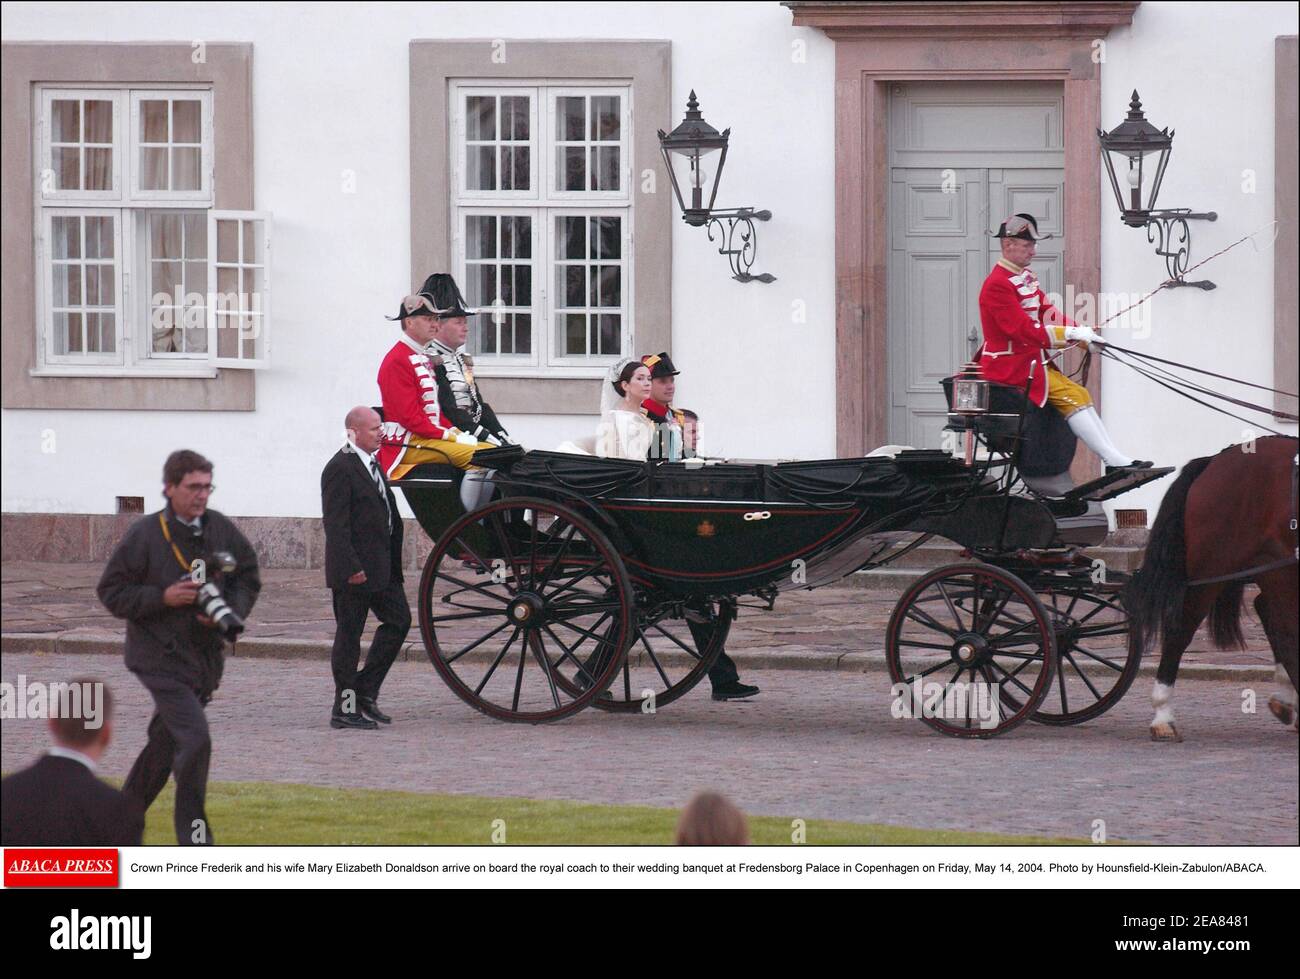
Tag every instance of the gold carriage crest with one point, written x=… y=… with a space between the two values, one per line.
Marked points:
x=705 y=529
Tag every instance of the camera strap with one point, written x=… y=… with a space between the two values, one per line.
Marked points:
x=162 y=522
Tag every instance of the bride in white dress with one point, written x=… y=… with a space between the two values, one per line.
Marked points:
x=624 y=431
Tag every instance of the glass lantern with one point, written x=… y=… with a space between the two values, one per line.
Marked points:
x=970 y=392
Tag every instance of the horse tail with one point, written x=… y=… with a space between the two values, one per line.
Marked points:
x=1225 y=617
x=1154 y=596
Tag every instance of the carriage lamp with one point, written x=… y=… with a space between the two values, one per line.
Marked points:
x=970 y=397
x=970 y=392
x=1136 y=154
x=689 y=155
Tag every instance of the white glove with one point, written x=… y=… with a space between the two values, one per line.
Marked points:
x=1082 y=334
x=465 y=438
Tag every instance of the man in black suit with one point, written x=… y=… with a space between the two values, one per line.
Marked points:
x=363 y=567
x=59 y=801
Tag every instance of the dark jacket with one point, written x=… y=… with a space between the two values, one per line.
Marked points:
x=480 y=420
x=172 y=641
x=356 y=525
x=60 y=802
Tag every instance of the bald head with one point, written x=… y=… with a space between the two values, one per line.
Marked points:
x=364 y=428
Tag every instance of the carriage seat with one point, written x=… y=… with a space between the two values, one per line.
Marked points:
x=1048 y=442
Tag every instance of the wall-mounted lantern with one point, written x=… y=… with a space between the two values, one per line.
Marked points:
x=688 y=153
x=1126 y=148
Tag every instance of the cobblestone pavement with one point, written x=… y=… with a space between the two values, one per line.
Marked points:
x=814 y=744
x=812 y=630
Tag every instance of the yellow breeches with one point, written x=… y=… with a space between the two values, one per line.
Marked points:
x=1065 y=395
x=421 y=450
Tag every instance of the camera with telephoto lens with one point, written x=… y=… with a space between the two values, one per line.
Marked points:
x=212 y=603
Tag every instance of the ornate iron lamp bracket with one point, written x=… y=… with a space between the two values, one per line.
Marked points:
x=1168 y=230
x=738 y=241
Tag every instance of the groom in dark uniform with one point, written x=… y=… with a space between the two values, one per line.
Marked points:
x=723 y=675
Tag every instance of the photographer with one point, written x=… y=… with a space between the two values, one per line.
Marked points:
x=184 y=579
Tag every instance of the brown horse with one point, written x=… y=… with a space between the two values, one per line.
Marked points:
x=1224 y=515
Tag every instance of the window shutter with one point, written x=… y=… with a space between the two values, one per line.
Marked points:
x=239 y=281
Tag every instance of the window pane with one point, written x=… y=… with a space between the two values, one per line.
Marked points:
x=92 y=333
x=514 y=168
x=153 y=120
x=572 y=282
x=514 y=117
x=523 y=333
x=99 y=121
x=186 y=118
x=196 y=278
x=67 y=237
x=107 y=332
x=252 y=242
x=480 y=236
x=570 y=114
x=194 y=332
x=486 y=334
x=75 y=344
x=186 y=164
x=227 y=241
x=610 y=285
x=575 y=334
x=481 y=285
x=502 y=323
x=99 y=237
x=67 y=285
x=60 y=333
x=67 y=168
x=94 y=287
x=67 y=121
x=165 y=235
x=523 y=285
x=99 y=169
x=572 y=232
x=165 y=283
x=481 y=162
x=153 y=169
x=606 y=175
x=610 y=336
x=571 y=164
x=228 y=288
x=604 y=117
x=607 y=231
x=481 y=117
x=196 y=236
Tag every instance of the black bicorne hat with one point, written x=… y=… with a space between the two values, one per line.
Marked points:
x=419 y=304
x=661 y=365
x=447 y=300
x=1020 y=226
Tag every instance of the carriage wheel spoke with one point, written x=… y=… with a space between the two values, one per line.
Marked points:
x=1117 y=667
x=569 y=654
x=496 y=662
x=692 y=652
x=600 y=641
x=645 y=641
x=539 y=653
x=1065 y=699
x=478 y=588
x=951 y=607
x=478 y=642
x=1002 y=640
x=1082 y=676
x=478 y=613
x=559 y=556
x=926 y=672
x=519 y=675
x=924 y=645
x=483 y=565
x=927 y=620
x=595 y=568
x=1011 y=676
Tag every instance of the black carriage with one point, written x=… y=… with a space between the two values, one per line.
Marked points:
x=613 y=583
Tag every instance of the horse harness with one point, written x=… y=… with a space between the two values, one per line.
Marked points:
x=1272 y=565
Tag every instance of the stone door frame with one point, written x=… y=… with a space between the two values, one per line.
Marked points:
x=881 y=43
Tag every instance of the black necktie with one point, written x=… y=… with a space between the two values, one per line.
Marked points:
x=383 y=491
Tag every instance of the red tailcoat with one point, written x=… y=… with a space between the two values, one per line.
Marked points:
x=410 y=397
x=1013 y=315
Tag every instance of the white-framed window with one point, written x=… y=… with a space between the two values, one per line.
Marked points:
x=127 y=250
x=543 y=224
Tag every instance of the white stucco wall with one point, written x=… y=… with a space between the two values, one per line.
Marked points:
x=330 y=94
x=1205 y=70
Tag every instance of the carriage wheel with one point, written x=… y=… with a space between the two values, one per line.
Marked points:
x=671 y=650
x=958 y=639
x=534 y=629
x=1095 y=666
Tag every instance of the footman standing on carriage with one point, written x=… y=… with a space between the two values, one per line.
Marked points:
x=1020 y=326
x=417 y=427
